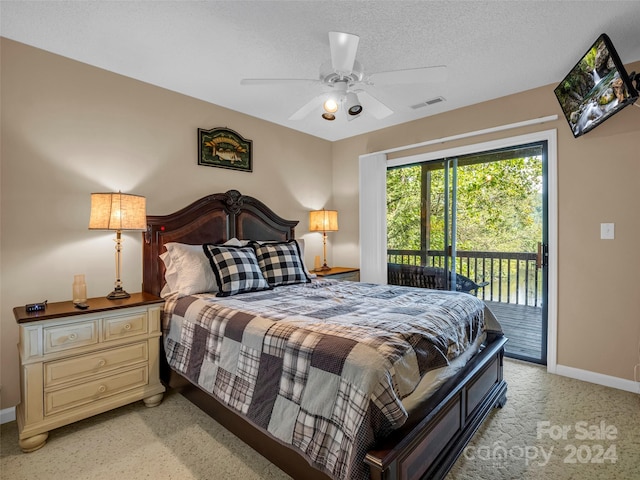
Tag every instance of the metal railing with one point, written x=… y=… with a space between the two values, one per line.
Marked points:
x=513 y=276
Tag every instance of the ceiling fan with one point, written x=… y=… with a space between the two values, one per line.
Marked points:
x=345 y=80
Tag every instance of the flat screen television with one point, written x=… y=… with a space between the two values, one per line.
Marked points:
x=596 y=88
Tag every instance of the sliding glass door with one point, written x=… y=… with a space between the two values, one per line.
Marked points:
x=477 y=224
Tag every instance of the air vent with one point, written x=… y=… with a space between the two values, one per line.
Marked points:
x=427 y=103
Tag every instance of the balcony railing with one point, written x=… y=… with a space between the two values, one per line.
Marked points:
x=513 y=276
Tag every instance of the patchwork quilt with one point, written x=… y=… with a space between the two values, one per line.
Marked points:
x=321 y=366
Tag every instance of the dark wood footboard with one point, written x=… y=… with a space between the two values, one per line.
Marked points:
x=437 y=433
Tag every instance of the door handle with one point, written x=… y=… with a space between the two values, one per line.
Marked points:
x=542 y=255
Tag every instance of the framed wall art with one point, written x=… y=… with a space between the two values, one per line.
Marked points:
x=224 y=148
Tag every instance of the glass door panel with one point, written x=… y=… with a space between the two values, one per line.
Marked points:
x=501 y=219
x=421 y=224
x=439 y=200
x=473 y=224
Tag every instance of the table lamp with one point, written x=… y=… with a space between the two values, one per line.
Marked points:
x=117 y=211
x=323 y=221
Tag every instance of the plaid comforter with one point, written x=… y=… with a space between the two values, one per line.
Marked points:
x=321 y=366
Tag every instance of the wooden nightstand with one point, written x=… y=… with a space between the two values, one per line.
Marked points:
x=340 y=273
x=77 y=363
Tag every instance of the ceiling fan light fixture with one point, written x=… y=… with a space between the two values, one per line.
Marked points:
x=342 y=75
x=330 y=106
x=352 y=104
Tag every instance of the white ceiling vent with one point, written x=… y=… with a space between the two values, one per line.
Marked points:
x=427 y=103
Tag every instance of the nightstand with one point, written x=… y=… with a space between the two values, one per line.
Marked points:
x=340 y=273
x=77 y=363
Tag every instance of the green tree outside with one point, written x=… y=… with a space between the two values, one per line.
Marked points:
x=498 y=206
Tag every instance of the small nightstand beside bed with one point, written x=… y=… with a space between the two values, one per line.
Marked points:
x=78 y=363
x=326 y=379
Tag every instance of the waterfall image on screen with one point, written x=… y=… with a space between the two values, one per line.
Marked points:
x=596 y=88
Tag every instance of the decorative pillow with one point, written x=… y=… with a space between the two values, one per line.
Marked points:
x=281 y=263
x=187 y=271
x=236 y=269
x=300 y=242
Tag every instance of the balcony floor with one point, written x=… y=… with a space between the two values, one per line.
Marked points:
x=522 y=325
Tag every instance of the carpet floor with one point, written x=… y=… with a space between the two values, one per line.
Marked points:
x=552 y=427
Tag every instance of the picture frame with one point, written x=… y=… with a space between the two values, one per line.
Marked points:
x=224 y=148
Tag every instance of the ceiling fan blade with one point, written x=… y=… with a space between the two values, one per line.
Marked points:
x=372 y=105
x=277 y=81
x=435 y=74
x=307 y=108
x=344 y=47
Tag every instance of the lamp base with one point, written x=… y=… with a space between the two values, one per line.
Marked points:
x=117 y=294
x=323 y=268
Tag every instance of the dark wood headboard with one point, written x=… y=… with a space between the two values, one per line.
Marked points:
x=215 y=218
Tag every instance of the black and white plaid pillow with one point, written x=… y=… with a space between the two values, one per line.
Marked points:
x=281 y=262
x=236 y=269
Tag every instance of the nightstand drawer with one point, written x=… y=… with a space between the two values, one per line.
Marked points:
x=115 y=328
x=64 y=337
x=68 y=370
x=63 y=399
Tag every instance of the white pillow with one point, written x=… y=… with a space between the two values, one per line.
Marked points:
x=170 y=276
x=188 y=270
x=301 y=245
x=234 y=242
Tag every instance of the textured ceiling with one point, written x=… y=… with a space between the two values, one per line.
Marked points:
x=203 y=49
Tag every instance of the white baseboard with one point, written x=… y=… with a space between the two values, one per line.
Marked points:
x=7 y=415
x=598 y=378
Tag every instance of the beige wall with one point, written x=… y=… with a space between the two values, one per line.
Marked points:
x=598 y=180
x=69 y=129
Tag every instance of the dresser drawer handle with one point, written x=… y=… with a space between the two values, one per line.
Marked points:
x=72 y=336
x=101 y=363
x=127 y=326
x=102 y=389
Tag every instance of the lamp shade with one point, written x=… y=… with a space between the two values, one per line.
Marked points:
x=323 y=221
x=117 y=211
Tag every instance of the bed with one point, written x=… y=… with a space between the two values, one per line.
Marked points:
x=433 y=432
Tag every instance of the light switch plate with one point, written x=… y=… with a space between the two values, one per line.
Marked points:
x=607 y=231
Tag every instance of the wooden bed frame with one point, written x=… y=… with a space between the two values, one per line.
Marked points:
x=435 y=434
